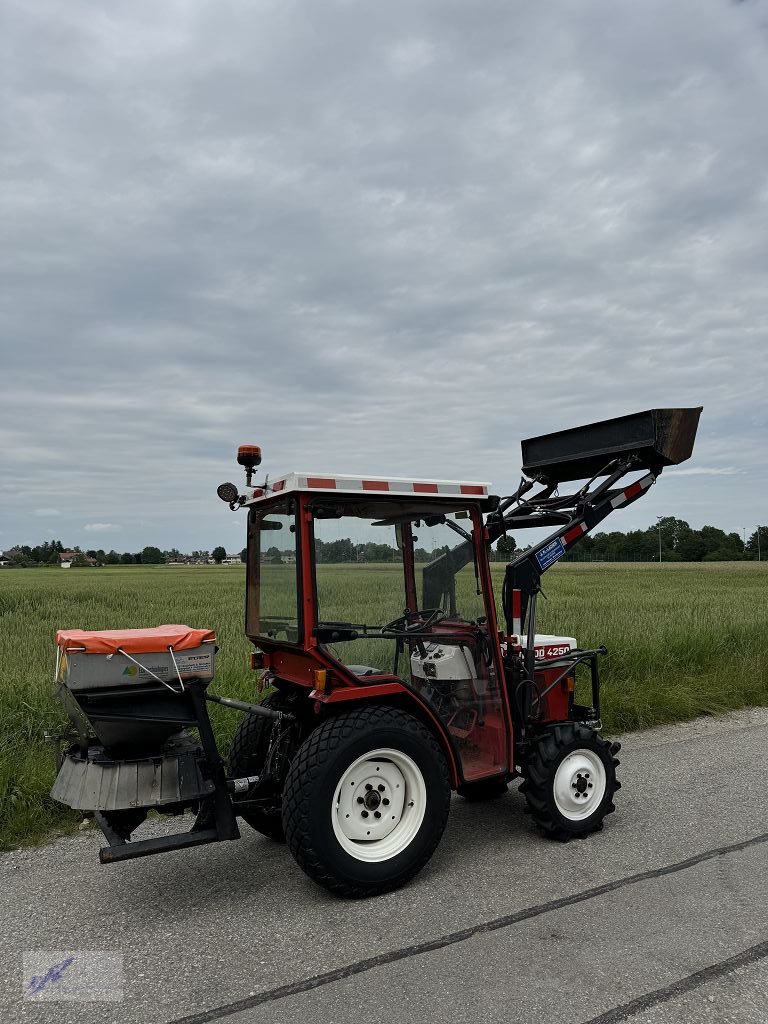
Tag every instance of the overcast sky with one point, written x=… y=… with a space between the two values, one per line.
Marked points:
x=372 y=238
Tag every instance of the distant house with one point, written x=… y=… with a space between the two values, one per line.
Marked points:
x=280 y=558
x=66 y=558
x=231 y=560
x=199 y=558
x=5 y=559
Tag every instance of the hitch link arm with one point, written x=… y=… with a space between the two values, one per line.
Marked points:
x=251 y=709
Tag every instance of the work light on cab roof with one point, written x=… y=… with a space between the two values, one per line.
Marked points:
x=249 y=456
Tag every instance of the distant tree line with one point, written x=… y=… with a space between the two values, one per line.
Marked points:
x=49 y=552
x=671 y=539
x=674 y=538
x=346 y=550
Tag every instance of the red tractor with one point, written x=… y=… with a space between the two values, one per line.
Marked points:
x=398 y=671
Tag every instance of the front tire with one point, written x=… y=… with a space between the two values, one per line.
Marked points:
x=570 y=781
x=366 y=801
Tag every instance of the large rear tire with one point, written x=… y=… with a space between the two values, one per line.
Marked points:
x=570 y=781
x=366 y=801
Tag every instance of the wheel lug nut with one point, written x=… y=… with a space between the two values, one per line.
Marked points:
x=385 y=802
x=377 y=814
x=365 y=814
x=380 y=788
x=360 y=800
x=368 y=786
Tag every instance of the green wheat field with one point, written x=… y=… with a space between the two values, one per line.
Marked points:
x=684 y=640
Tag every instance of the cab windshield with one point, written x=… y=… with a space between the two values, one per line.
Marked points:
x=378 y=567
x=398 y=593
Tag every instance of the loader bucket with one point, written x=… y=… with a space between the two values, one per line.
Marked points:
x=657 y=437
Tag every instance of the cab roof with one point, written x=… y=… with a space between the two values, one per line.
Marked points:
x=371 y=486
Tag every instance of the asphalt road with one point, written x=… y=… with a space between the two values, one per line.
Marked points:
x=662 y=917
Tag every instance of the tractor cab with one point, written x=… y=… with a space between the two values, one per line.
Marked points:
x=354 y=584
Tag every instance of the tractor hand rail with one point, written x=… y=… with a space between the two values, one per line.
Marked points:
x=567 y=664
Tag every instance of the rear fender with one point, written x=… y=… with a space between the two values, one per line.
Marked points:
x=390 y=695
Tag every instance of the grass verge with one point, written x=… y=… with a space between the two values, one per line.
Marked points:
x=683 y=639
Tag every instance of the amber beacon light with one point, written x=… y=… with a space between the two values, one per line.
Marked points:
x=249 y=455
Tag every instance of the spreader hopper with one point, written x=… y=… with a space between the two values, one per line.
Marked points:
x=656 y=438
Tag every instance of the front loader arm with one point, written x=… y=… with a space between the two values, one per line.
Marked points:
x=523 y=574
x=574 y=515
x=610 y=449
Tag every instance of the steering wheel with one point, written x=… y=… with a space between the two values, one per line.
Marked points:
x=400 y=624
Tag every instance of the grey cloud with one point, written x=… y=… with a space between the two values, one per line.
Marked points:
x=387 y=239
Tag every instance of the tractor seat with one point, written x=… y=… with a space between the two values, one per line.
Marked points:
x=364 y=670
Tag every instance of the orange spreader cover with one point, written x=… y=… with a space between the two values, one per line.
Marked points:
x=135 y=641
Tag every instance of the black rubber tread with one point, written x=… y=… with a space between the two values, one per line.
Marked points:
x=311 y=785
x=485 y=789
x=246 y=757
x=548 y=751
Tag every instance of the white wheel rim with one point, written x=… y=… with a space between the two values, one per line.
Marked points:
x=378 y=805
x=580 y=782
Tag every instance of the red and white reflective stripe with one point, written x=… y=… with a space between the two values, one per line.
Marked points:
x=392 y=485
x=517 y=611
x=632 y=491
x=574 y=533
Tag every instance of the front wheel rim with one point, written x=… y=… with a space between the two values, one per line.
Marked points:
x=580 y=784
x=378 y=805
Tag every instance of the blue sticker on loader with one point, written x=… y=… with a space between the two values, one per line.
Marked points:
x=549 y=554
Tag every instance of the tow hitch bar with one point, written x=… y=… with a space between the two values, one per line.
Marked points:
x=251 y=709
